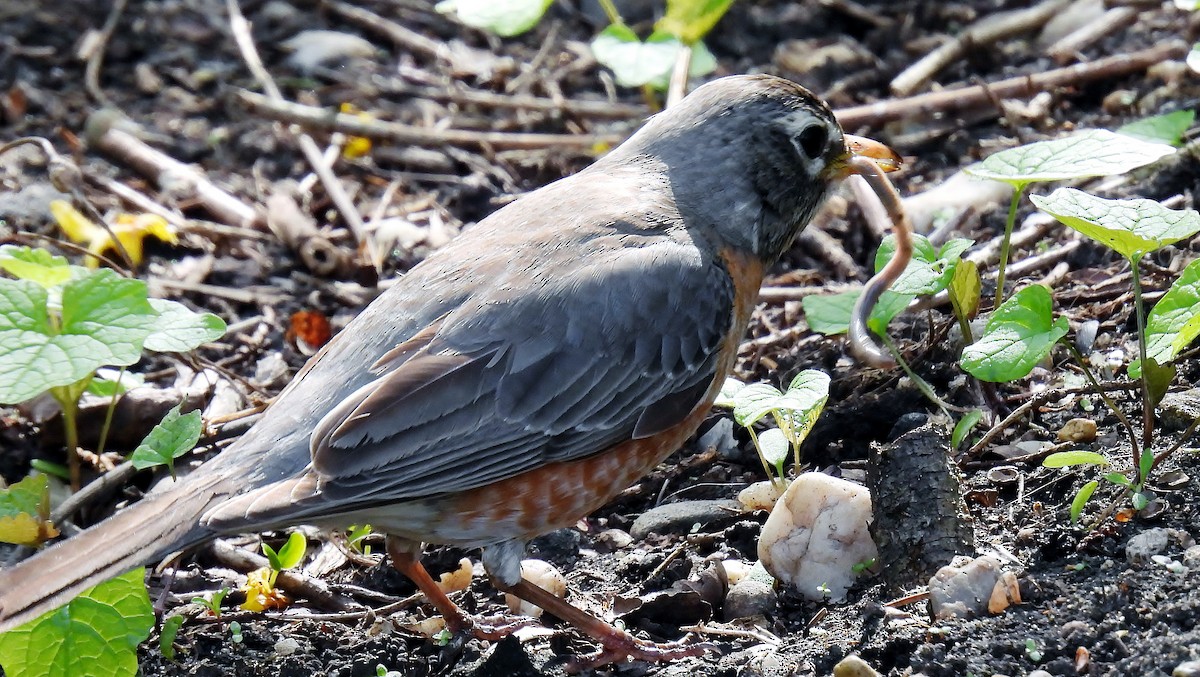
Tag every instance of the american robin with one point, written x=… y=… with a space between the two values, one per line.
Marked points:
x=523 y=375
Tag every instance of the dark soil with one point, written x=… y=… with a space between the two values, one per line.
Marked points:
x=173 y=69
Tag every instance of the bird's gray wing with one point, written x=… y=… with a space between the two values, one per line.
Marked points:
x=622 y=343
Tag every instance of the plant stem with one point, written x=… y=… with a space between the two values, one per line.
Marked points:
x=108 y=414
x=922 y=384
x=1103 y=395
x=70 y=410
x=1147 y=407
x=1006 y=242
x=778 y=484
x=610 y=10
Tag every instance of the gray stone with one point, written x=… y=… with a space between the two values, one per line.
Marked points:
x=963 y=590
x=1149 y=542
x=1187 y=669
x=749 y=597
x=681 y=517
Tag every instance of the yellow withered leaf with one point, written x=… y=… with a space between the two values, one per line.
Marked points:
x=130 y=230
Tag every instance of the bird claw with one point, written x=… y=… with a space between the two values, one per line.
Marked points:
x=619 y=648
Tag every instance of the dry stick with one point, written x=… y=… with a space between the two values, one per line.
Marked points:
x=986 y=31
x=294 y=583
x=333 y=187
x=91 y=74
x=861 y=344
x=312 y=117
x=455 y=93
x=1067 y=47
x=1037 y=401
x=144 y=203
x=677 y=87
x=405 y=37
x=962 y=98
x=168 y=173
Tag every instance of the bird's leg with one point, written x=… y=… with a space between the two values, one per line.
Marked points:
x=406 y=559
x=616 y=645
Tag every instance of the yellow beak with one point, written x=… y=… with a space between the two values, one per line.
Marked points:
x=887 y=159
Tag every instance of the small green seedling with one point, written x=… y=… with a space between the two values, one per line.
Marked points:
x=1084 y=154
x=235 y=632
x=289 y=554
x=1135 y=487
x=1032 y=651
x=212 y=603
x=1132 y=228
x=356 y=536
x=794 y=412
x=60 y=323
x=96 y=633
x=173 y=437
x=964 y=426
x=166 y=636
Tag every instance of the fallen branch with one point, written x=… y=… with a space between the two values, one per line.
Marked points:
x=964 y=98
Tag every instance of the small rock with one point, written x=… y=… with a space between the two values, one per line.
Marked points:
x=542 y=574
x=319 y=47
x=287 y=646
x=720 y=438
x=1187 y=669
x=816 y=536
x=270 y=369
x=682 y=517
x=1149 y=542
x=1078 y=430
x=759 y=496
x=853 y=666
x=735 y=570
x=1040 y=673
x=1177 y=411
x=964 y=590
x=611 y=540
x=749 y=597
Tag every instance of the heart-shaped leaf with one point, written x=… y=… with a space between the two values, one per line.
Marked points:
x=1095 y=152
x=1167 y=128
x=1129 y=227
x=1020 y=333
x=1174 y=322
x=180 y=329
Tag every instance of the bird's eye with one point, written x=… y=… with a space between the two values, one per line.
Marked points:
x=813 y=140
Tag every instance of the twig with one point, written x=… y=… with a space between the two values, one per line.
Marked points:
x=991 y=29
x=168 y=173
x=963 y=98
x=825 y=246
x=106 y=483
x=784 y=294
x=294 y=583
x=312 y=117
x=1067 y=47
x=95 y=59
x=1037 y=401
x=677 y=87
x=333 y=187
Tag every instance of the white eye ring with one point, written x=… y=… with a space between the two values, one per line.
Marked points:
x=812 y=141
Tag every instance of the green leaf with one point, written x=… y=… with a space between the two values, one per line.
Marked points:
x=100 y=629
x=35 y=265
x=1140 y=500
x=502 y=17
x=1158 y=379
x=1095 y=152
x=774 y=446
x=633 y=62
x=691 y=20
x=166 y=637
x=111 y=382
x=804 y=401
x=889 y=306
x=728 y=395
x=1118 y=479
x=25 y=512
x=965 y=289
x=1167 y=128
x=929 y=271
x=1020 y=333
x=180 y=329
x=292 y=552
x=1130 y=227
x=1065 y=459
x=829 y=314
x=1174 y=322
x=1081 y=499
x=170 y=439
x=964 y=426
x=1145 y=465
x=753 y=402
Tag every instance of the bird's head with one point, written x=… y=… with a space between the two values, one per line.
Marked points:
x=757 y=152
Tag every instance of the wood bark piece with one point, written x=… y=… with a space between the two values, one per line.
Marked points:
x=1064 y=50
x=920 y=520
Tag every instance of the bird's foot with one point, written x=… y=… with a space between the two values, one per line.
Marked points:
x=490 y=629
x=620 y=646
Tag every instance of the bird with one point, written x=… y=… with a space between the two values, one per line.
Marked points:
x=521 y=376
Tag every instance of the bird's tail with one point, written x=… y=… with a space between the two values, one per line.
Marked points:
x=145 y=532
